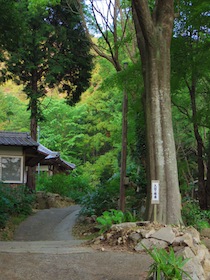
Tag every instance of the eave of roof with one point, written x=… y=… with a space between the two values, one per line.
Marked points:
x=23 y=139
x=47 y=152
x=17 y=139
x=54 y=157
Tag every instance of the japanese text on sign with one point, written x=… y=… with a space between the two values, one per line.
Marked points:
x=155 y=192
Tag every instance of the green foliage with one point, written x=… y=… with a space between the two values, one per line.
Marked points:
x=193 y=216
x=167 y=265
x=103 y=198
x=9 y=24
x=109 y=218
x=51 y=50
x=113 y=216
x=14 y=201
x=102 y=169
x=13 y=112
x=190 y=88
x=33 y=5
x=73 y=186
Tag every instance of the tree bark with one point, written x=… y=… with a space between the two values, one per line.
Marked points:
x=208 y=176
x=154 y=33
x=31 y=175
x=202 y=195
x=124 y=149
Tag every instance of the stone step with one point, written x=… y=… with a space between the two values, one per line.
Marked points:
x=44 y=247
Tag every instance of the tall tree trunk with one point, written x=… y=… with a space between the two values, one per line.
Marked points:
x=124 y=148
x=31 y=175
x=154 y=38
x=202 y=196
x=208 y=175
x=34 y=95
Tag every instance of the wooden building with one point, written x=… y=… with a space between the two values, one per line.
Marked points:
x=18 y=152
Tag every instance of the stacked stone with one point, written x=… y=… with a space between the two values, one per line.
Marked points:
x=185 y=241
x=46 y=200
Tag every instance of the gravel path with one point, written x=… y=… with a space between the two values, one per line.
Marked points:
x=45 y=250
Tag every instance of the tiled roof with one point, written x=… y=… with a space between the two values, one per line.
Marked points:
x=50 y=155
x=68 y=164
x=24 y=139
x=16 y=139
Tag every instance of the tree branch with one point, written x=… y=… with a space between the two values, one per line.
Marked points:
x=144 y=18
x=93 y=45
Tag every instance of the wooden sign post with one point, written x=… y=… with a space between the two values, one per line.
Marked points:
x=155 y=197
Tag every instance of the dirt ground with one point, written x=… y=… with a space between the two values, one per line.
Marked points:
x=47 y=257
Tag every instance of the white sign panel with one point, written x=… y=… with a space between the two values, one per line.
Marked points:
x=155 y=192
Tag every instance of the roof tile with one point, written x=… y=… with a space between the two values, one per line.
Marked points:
x=16 y=139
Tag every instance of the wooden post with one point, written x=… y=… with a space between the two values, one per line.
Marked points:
x=155 y=200
x=124 y=148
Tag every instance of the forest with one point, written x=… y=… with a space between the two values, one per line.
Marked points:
x=101 y=85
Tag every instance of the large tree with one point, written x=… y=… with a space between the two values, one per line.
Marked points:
x=51 y=50
x=9 y=31
x=154 y=26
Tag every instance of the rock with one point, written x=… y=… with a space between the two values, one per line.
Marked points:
x=143 y=223
x=195 y=234
x=109 y=235
x=205 y=232
x=119 y=241
x=206 y=242
x=178 y=241
x=50 y=200
x=193 y=267
x=123 y=226
x=184 y=241
x=177 y=231
x=150 y=243
x=188 y=240
x=135 y=237
x=186 y=253
x=147 y=233
x=165 y=234
x=206 y=267
x=201 y=253
x=97 y=241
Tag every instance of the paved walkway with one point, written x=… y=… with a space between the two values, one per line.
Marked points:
x=48 y=224
x=44 y=249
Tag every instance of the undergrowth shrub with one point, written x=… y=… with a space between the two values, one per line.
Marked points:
x=71 y=186
x=106 y=196
x=193 y=216
x=113 y=216
x=103 y=198
x=167 y=265
x=14 y=201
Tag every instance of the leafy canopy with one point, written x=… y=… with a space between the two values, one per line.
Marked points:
x=52 y=50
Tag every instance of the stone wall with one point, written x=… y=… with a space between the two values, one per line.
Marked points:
x=46 y=200
x=185 y=241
